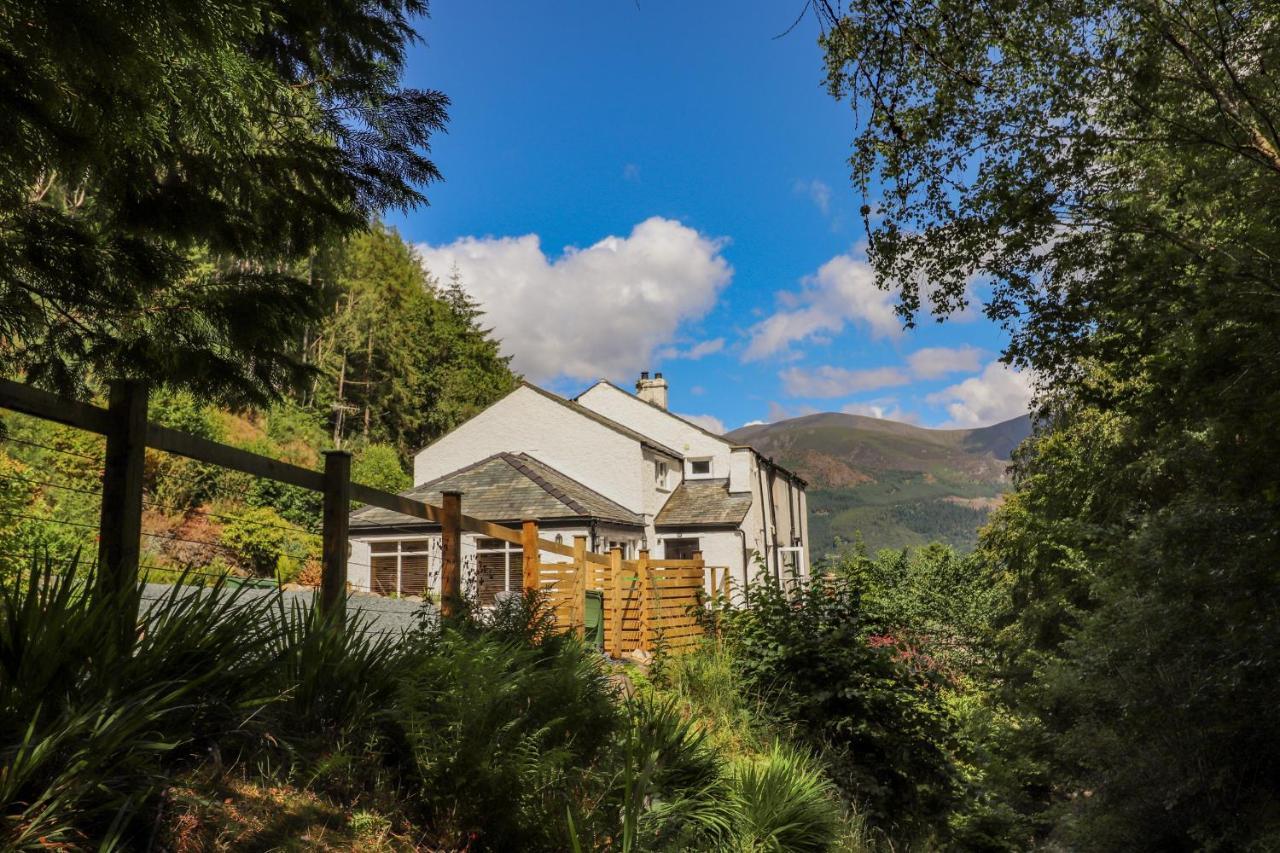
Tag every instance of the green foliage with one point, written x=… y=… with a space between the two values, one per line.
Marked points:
x=501 y=727
x=807 y=654
x=401 y=361
x=1110 y=167
x=378 y=465
x=166 y=172
x=783 y=801
x=939 y=603
x=85 y=725
x=266 y=544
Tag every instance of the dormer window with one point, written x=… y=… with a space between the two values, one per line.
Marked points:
x=699 y=467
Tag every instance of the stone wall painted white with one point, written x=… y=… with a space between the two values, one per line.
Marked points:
x=358 y=565
x=741 y=460
x=663 y=427
x=525 y=421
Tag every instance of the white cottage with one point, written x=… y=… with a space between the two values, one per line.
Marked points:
x=616 y=467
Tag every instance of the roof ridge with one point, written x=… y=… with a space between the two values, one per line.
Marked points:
x=462 y=470
x=525 y=457
x=515 y=461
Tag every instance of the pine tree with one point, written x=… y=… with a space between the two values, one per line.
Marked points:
x=168 y=168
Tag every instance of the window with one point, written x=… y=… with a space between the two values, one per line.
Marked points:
x=623 y=544
x=401 y=567
x=499 y=568
x=660 y=474
x=680 y=549
x=699 y=467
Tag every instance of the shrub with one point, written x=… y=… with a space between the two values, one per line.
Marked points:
x=496 y=732
x=378 y=466
x=783 y=801
x=882 y=727
x=265 y=544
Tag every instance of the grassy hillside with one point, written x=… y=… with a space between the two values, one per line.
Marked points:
x=891 y=483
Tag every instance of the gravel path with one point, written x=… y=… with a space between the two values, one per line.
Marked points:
x=377 y=614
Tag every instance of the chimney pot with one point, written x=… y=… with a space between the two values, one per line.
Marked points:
x=657 y=375
x=644 y=374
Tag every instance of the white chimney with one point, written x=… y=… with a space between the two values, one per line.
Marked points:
x=652 y=390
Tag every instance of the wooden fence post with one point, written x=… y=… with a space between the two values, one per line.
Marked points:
x=529 y=555
x=580 y=586
x=615 y=623
x=120 y=527
x=451 y=554
x=646 y=594
x=334 y=534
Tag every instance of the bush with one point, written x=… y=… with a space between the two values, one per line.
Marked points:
x=266 y=546
x=497 y=733
x=882 y=727
x=378 y=466
x=783 y=801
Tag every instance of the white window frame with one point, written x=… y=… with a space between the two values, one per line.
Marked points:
x=711 y=468
x=801 y=567
x=509 y=549
x=400 y=553
x=661 y=475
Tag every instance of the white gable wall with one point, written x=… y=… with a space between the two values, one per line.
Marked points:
x=525 y=421
x=664 y=428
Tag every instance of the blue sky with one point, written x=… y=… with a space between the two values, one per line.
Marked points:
x=663 y=185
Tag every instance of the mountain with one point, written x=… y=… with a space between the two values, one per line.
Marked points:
x=893 y=483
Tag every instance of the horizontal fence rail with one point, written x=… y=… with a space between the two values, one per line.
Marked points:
x=645 y=602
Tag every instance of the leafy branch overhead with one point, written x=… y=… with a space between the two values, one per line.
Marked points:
x=1039 y=145
x=168 y=169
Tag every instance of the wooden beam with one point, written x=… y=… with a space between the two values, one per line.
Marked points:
x=529 y=557
x=203 y=450
x=51 y=407
x=615 y=620
x=335 y=516
x=646 y=629
x=580 y=586
x=451 y=555
x=395 y=503
x=120 y=527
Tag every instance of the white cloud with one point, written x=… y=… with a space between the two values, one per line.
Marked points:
x=887 y=410
x=599 y=311
x=842 y=291
x=708 y=422
x=997 y=394
x=932 y=362
x=631 y=172
x=817 y=191
x=695 y=352
x=697 y=390
x=829 y=381
x=754 y=423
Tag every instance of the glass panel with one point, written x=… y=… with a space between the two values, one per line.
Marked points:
x=415 y=546
x=383 y=547
x=490 y=570
x=680 y=549
x=383 y=575
x=490 y=545
x=415 y=571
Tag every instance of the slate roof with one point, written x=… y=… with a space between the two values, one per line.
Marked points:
x=507 y=487
x=703 y=503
